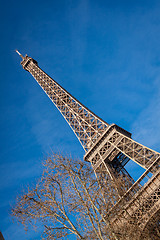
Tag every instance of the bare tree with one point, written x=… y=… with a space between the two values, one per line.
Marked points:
x=67 y=200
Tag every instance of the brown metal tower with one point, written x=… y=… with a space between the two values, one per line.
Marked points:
x=108 y=148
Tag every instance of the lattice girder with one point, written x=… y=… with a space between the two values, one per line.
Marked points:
x=140 y=212
x=139 y=204
x=115 y=141
x=85 y=124
x=102 y=155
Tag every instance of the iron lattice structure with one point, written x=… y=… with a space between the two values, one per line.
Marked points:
x=108 y=148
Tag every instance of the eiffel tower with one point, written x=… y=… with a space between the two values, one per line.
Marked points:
x=109 y=148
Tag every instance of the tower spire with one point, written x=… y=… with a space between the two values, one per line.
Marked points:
x=19 y=54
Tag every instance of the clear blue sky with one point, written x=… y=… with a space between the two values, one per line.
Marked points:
x=105 y=53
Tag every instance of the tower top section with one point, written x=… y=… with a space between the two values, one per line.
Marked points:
x=26 y=61
x=87 y=126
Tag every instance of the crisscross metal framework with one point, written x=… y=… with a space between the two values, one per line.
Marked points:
x=85 y=124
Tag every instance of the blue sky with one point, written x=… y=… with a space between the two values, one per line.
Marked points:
x=105 y=53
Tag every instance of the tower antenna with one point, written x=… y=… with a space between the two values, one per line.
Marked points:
x=19 y=54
